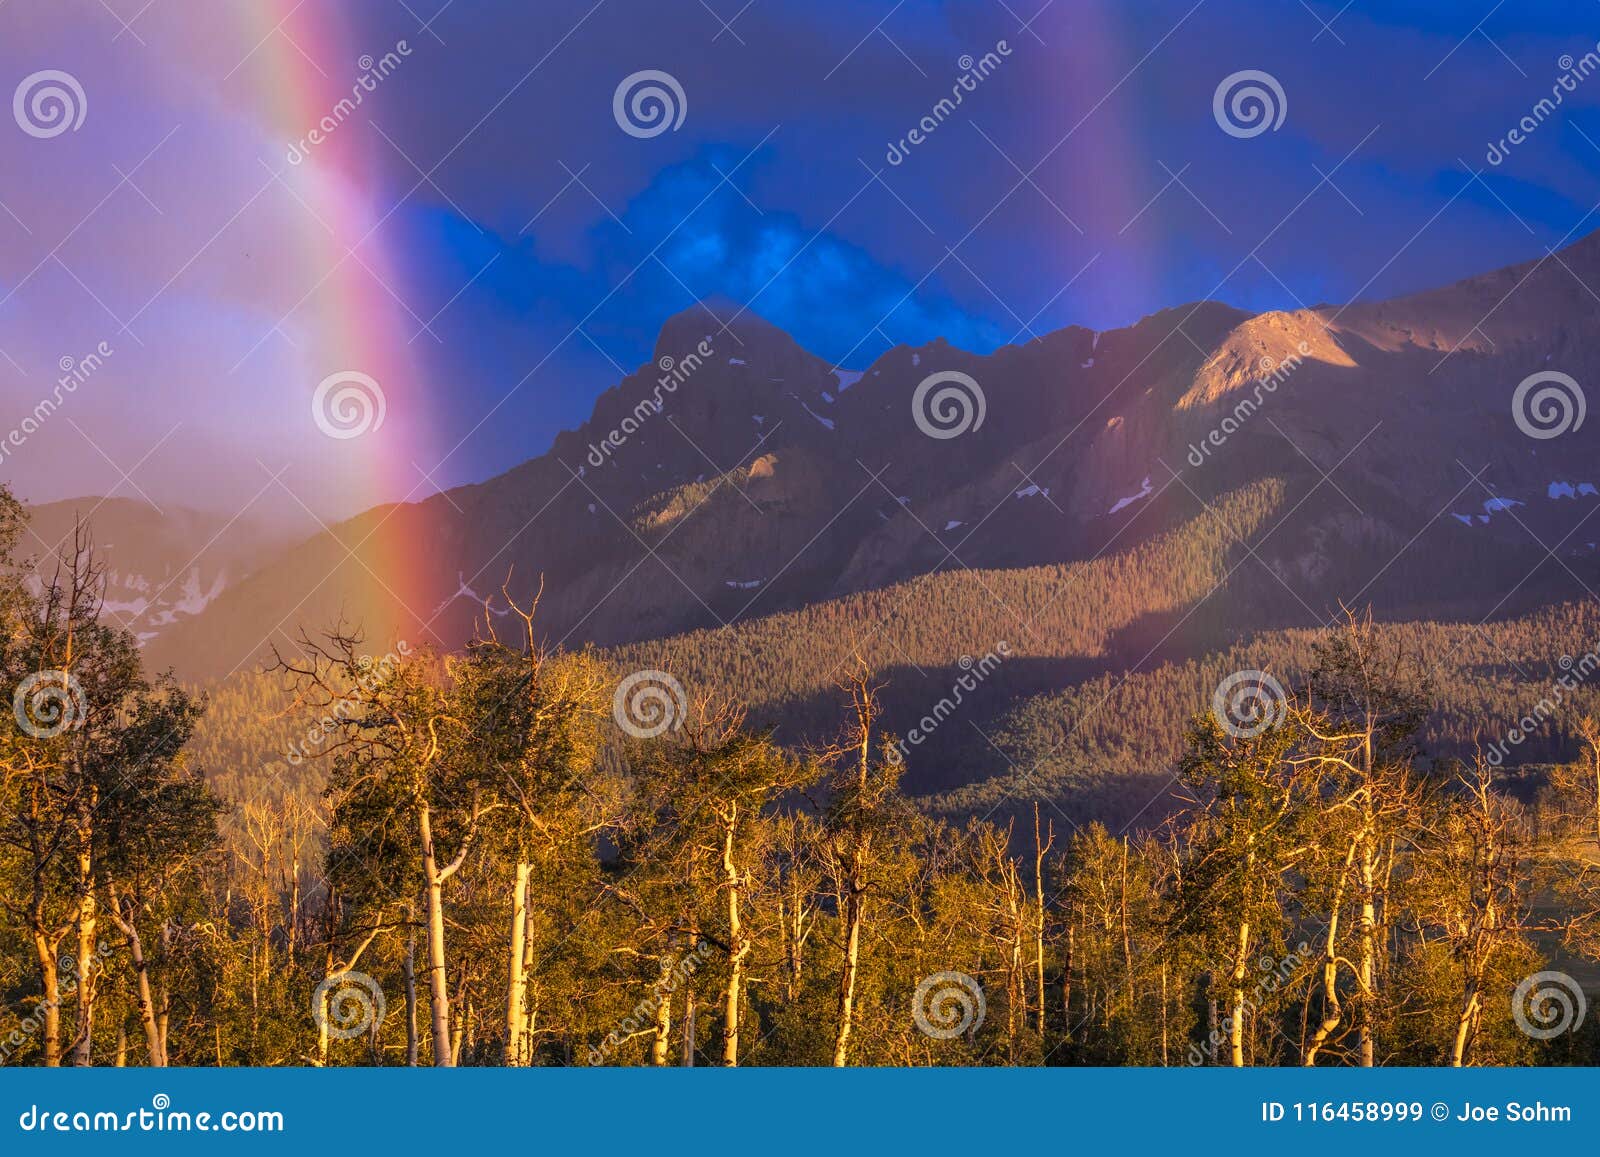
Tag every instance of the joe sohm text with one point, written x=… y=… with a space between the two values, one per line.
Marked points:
x=1381 y=1112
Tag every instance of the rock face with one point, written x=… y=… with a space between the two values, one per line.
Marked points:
x=738 y=475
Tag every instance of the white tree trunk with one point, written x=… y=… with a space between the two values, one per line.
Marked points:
x=517 y=985
x=438 y=981
x=1236 y=1010
x=738 y=946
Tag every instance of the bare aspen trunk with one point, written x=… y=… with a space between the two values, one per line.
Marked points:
x=164 y=1001
x=1236 y=1009
x=738 y=946
x=1596 y=753
x=1127 y=938
x=690 y=1007
x=1163 y=1014
x=1469 y=1011
x=83 y=1045
x=1039 y=850
x=294 y=910
x=438 y=981
x=847 y=979
x=855 y=879
x=1066 y=973
x=517 y=985
x=1369 y=923
x=147 y=1004
x=49 y=1009
x=322 y=1032
x=661 y=1046
x=1333 y=1013
x=1369 y=914
x=1015 y=1012
x=689 y=1010
x=791 y=912
x=322 y=1012
x=409 y=969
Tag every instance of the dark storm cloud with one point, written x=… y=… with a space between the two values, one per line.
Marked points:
x=544 y=247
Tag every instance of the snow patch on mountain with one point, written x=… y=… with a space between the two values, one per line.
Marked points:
x=828 y=422
x=466 y=592
x=193 y=600
x=1144 y=492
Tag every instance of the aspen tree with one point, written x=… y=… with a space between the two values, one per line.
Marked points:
x=864 y=784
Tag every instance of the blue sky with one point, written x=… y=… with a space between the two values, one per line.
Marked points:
x=1084 y=180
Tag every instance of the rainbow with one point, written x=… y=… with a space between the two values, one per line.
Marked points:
x=358 y=328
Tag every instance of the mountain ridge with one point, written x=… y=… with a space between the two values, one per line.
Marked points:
x=760 y=477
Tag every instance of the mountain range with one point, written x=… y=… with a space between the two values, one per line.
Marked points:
x=1153 y=505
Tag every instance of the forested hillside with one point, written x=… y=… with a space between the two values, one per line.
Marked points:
x=1221 y=693
x=516 y=855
